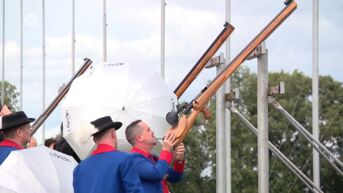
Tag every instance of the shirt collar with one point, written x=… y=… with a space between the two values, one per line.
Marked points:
x=142 y=152
x=10 y=143
x=102 y=148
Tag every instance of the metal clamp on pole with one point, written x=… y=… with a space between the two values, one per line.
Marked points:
x=215 y=61
x=232 y=96
x=275 y=90
x=260 y=50
x=278 y=89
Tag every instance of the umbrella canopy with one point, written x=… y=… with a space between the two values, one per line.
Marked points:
x=37 y=170
x=123 y=91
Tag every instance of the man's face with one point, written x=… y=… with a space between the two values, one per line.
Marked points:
x=147 y=136
x=25 y=133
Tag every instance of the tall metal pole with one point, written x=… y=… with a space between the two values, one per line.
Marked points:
x=163 y=18
x=104 y=25
x=3 y=54
x=21 y=55
x=262 y=120
x=43 y=101
x=315 y=92
x=73 y=38
x=220 y=137
x=227 y=112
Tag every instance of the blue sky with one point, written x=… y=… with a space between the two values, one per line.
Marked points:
x=133 y=33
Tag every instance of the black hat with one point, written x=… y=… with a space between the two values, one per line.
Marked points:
x=104 y=123
x=14 y=120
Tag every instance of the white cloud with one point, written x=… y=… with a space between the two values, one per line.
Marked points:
x=11 y=49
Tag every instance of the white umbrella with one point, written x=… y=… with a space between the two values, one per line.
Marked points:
x=124 y=92
x=37 y=170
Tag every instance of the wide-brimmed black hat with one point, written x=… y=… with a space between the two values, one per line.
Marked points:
x=14 y=120
x=104 y=123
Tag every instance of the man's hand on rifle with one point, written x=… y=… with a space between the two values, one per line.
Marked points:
x=169 y=141
x=179 y=152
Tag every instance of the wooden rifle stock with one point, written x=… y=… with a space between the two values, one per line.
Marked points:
x=194 y=72
x=187 y=121
x=59 y=97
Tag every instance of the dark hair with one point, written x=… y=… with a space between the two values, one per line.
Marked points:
x=97 y=136
x=50 y=141
x=9 y=133
x=134 y=123
x=64 y=147
x=132 y=131
x=1 y=136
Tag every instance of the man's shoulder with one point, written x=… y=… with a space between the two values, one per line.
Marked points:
x=119 y=153
x=5 y=151
x=8 y=148
x=140 y=159
x=112 y=155
x=138 y=156
x=105 y=158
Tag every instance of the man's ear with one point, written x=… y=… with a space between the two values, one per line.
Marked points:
x=113 y=133
x=139 y=138
x=18 y=132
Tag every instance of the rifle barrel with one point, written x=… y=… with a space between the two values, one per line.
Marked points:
x=194 y=72
x=59 y=97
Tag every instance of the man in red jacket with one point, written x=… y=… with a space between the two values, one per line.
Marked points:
x=107 y=169
x=17 y=133
x=154 y=171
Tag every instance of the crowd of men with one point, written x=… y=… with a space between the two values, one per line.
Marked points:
x=108 y=169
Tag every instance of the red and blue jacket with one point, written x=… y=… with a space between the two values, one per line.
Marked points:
x=6 y=146
x=107 y=170
x=154 y=172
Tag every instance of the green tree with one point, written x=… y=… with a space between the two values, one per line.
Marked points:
x=11 y=95
x=200 y=170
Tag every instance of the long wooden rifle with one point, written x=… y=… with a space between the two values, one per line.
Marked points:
x=172 y=117
x=59 y=97
x=194 y=72
x=192 y=110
